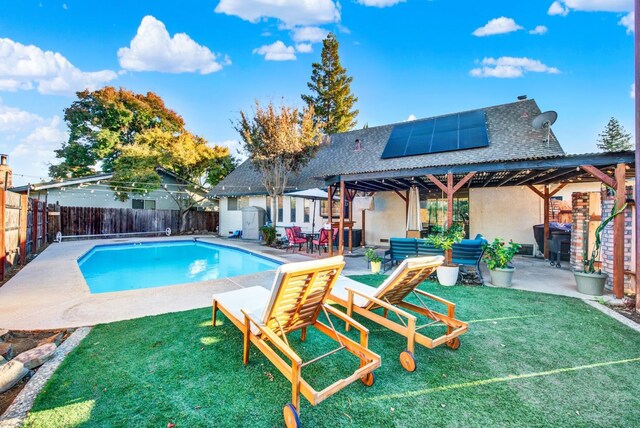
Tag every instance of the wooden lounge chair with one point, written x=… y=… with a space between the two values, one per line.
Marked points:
x=363 y=300
x=296 y=300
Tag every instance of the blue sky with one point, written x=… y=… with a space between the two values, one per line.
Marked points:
x=408 y=58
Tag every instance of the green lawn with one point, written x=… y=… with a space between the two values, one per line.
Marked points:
x=528 y=360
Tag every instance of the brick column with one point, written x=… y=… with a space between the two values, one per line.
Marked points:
x=580 y=229
x=606 y=251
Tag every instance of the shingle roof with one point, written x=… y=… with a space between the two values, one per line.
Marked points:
x=511 y=138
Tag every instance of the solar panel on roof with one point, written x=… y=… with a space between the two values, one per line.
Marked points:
x=459 y=131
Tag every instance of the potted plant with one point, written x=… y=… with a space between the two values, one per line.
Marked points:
x=444 y=240
x=374 y=260
x=268 y=234
x=497 y=256
x=591 y=281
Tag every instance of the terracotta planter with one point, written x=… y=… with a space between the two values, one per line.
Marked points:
x=502 y=277
x=375 y=267
x=590 y=283
x=447 y=275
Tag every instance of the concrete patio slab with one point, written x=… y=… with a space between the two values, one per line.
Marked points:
x=50 y=292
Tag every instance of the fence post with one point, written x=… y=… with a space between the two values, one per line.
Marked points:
x=44 y=223
x=24 y=209
x=3 y=250
x=34 y=227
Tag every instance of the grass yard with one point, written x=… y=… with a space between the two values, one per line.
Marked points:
x=529 y=360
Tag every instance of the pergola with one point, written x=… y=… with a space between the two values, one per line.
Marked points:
x=612 y=169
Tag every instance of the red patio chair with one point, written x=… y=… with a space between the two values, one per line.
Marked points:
x=293 y=240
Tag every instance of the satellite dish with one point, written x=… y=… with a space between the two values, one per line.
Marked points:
x=544 y=121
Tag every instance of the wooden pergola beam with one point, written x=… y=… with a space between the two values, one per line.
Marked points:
x=618 y=233
x=606 y=179
x=437 y=182
x=508 y=178
x=490 y=178
x=462 y=182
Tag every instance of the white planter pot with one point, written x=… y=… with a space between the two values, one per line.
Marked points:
x=501 y=277
x=375 y=267
x=447 y=275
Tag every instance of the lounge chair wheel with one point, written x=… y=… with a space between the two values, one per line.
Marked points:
x=407 y=361
x=454 y=343
x=291 y=418
x=369 y=379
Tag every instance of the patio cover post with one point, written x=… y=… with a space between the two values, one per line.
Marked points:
x=637 y=138
x=546 y=196
x=341 y=222
x=618 y=233
x=330 y=214
x=350 y=197
x=450 y=189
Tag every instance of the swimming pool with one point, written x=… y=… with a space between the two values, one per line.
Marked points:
x=133 y=266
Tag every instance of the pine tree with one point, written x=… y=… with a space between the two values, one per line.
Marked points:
x=331 y=91
x=614 y=138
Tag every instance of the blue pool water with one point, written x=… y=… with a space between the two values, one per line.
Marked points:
x=109 y=268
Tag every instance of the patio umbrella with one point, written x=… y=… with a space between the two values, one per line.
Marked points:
x=314 y=195
x=413 y=215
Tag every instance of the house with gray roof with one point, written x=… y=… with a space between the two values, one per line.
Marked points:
x=498 y=143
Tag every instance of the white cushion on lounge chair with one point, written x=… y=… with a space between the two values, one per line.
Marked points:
x=252 y=300
x=258 y=301
x=340 y=289
x=294 y=267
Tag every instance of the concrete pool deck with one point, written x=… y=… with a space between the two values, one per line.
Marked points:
x=51 y=292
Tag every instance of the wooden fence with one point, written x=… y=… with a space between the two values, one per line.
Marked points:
x=23 y=228
x=27 y=224
x=82 y=221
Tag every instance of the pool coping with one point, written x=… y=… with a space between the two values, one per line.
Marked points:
x=51 y=292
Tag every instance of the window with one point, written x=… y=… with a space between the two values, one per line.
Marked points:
x=232 y=204
x=307 y=210
x=433 y=210
x=335 y=210
x=292 y=208
x=143 y=204
x=236 y=204
x=280 y=209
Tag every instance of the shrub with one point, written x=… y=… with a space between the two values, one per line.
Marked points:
x=497 y=255
x=268 y=234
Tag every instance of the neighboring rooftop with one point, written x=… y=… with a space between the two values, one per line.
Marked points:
x=511 y=138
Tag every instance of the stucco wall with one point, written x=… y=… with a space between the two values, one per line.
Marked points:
x=505 y=212
x=232 y=220
x=511 y=212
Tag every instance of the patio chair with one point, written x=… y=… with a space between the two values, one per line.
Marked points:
x=323 y=240
x=399 y=250
x=390 y=296
x=295 y=301
x=235 y=235
x=293 y=239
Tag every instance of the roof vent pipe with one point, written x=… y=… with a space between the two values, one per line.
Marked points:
x=358 y=145
x=522 y=97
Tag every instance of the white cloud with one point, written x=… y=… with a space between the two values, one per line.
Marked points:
x=500 y=25
x=153 y=49
x=30 y=140
x=628 y=22
x=632 y=92
x=304 y=47
x=510 y=67
x=277 y=51
x=13 y=119
x=24 y=67
x=540 y=30
x=309 y=34
x=380 y=3
x=290 y=12
x=557 y=8
x=411 y=117
x=563 y=7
